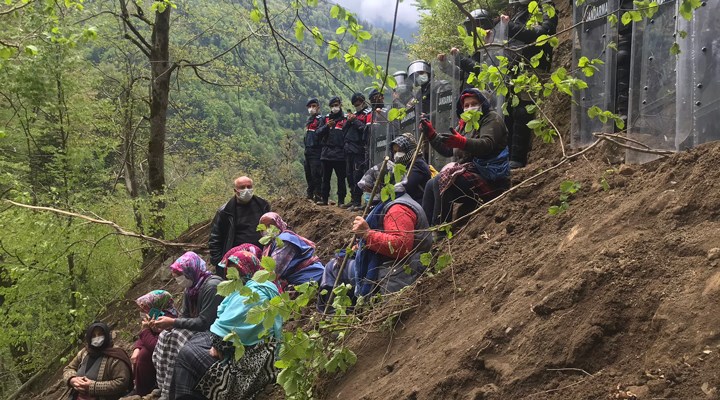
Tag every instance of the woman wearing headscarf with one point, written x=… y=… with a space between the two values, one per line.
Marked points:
x=414 y=181
x=480 y=171
x=152 y=306
x=100 y=371
x=295 y=261
x=200 y=303
x=206 y=366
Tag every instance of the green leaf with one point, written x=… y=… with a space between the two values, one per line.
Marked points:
x=7 y=52
x=688 y=6
x=255 y=315
x=263 y=276
x=256 y=15
x=299 y=31
x=340 y=30
x=335 y=11
x=226 y=288
x=31 y=50
x=534 y=124
x=399 y=171
x=364 y=35
x=268 y=263
x=425 y=259
x=443 y=261
x=675 y=49
x=626 y=18
x=554 y=210
x=613 y=19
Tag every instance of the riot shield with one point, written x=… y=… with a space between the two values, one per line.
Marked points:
x=652 y=103
x=706 y=73
x=592 y=36
x=382 y=132
x=445 y=90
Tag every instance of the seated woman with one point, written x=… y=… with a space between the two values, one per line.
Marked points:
x=199 y=311
x=99 y=371
x=152 y=305
x=391 y=238
x=403 y=148
x=295 y=261
x=206 y=366
x=481 y=170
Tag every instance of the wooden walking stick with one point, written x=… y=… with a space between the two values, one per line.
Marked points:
x=366 y=211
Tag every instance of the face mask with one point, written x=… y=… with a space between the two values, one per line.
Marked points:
x=423 y=79
x=398 y=156
x=378 y=105
x=473 y=108
x=335 y=110
x=183 y=281
x=366 y=197
x=311 y=111
x=360 y=107
x=97 y=341
x=244 y=195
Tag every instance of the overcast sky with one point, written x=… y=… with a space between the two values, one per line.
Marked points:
x=381 y=12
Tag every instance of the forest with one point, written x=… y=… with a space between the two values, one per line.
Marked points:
x=75 y=115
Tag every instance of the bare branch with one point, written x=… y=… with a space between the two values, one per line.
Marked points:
x=12 y=10
x=120 y=230
x=139 y=46
x=126 y=19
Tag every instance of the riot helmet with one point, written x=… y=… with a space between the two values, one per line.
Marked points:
x=377 y=99
x=401 y=81
x=419 y=72
x=482 y=18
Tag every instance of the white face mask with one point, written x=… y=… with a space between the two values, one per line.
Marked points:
x=398 y=155
x=423 y=79
x=312 y=110
x=335 y=110
x=473 y=108
x=183 y=281
x=244 y=195
x=97 y=341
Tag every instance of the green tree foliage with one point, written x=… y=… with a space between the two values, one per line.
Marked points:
x=74 y=133
x=438 y=31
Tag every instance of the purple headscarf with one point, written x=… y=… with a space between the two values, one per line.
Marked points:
x=193 y=267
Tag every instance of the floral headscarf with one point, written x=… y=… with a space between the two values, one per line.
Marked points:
x=282 y=225
x=193 y=267
x=245 y=262
x=159 y=299
x=277 y=220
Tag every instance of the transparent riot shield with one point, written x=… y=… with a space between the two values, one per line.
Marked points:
x=382 y=132
x=698 y=78
x=652 y=102
x=706 y=73
x=592 y=36
x=445 y=90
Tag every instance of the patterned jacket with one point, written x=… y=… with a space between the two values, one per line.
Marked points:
x=113 y=381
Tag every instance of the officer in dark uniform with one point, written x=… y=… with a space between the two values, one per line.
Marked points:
x=313 y=148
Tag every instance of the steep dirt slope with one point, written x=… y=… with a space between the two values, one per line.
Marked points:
x=327 y=226
x=622 y=289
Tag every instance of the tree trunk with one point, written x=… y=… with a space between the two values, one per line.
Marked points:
x=159 y=91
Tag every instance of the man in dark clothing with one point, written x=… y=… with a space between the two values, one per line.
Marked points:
x=520 y=140
x=356 y=147
x=332 y=155
x=236 y=222
x=313 y=148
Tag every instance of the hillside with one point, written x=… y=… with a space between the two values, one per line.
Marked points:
x=612 y=299
x=619 y=290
